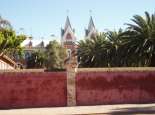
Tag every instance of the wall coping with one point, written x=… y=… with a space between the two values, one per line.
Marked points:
x=116 y=69
x=113 y=69
x=22 y=70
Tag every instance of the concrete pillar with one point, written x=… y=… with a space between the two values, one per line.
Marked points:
x=71 y=87
x=71 y=78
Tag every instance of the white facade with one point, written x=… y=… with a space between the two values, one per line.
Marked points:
x=5 y=66
x=65 y=37
x=68 y=38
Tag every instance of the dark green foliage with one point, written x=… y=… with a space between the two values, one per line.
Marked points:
x=10 y=43
x=55 y=56
x=52 y=58
x=36 y=60
x=134 y=47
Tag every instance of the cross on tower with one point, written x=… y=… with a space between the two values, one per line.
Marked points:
x=90 y=12
x=67 y=11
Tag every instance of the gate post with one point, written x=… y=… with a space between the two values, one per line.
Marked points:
x=71 y=79
x=71 y=87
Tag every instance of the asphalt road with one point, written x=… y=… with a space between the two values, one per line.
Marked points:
x=130 y=109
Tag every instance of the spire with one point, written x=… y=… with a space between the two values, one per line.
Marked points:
x=91 y=24
x=67 y=24
x=67 y=35
x=91 y=30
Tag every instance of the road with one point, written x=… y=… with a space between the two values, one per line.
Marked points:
x=86 y=110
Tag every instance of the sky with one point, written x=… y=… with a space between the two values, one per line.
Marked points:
x=42 y=18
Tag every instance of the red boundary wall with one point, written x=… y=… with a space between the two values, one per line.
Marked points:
x=94 y=88
x=20 y=90
x=49 y=89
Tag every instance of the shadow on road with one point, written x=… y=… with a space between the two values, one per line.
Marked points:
x=133 y=110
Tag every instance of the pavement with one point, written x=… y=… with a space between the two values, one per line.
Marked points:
x=129 y=109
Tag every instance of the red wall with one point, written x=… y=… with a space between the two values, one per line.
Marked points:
x=49 y=89
x=115 y=87
x=19 y=90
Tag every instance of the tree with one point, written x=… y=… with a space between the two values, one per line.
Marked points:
x=92 y=52
x=36 y=60
x=141 y=40
x=114 y=48
x=56 y=55
x=10 y=43
x=4 y=24
x=134 y=46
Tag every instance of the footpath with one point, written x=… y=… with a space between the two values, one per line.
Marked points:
x=120 y=109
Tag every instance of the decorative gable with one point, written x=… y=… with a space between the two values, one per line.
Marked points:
x=68 y=36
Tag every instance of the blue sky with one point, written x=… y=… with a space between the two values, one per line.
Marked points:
x=41 y=18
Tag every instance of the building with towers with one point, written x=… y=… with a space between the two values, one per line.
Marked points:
x=68 y=41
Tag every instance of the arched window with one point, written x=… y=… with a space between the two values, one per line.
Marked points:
x=27 y=55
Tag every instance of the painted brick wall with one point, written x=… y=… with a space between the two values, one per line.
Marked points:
x=19 y=90
x=115 y=87
x=49 y=89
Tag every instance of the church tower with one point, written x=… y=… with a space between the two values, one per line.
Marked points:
x=91 y=31
x=68 y=38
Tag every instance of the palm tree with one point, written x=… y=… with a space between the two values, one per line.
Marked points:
x=114 y=48
x=140 y=38
x=92 y=52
